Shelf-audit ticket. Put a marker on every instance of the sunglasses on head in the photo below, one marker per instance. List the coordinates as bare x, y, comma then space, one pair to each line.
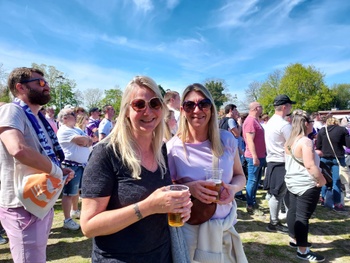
189, 106
42, 82
140, 104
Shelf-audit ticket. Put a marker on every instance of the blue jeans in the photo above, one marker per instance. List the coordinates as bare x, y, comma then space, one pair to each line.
72, 188
333, 165
254, 177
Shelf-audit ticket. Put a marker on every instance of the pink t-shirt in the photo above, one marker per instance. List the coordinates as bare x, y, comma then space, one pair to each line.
252, 125
189, 165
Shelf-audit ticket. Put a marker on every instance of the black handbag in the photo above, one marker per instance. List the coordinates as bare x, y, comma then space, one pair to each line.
327, 173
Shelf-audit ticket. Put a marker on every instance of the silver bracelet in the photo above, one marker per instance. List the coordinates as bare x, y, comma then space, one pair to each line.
137, 212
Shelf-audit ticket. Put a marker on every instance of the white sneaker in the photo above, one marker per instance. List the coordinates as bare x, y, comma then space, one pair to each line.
70, 224
282, 216
75, 214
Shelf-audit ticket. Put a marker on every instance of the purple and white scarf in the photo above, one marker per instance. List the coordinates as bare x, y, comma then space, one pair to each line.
52, 153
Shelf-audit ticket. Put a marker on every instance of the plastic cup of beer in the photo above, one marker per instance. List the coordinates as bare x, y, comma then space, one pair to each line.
214, 175
174, 219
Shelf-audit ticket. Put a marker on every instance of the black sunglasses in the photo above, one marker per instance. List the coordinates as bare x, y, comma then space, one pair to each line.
189, 106
42, 82
140, 104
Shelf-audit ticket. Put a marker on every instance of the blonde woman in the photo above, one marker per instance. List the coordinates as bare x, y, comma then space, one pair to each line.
199, 144
124, 207
303, 180
82, 121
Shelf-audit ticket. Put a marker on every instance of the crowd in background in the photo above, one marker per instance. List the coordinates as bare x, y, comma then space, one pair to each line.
122, 166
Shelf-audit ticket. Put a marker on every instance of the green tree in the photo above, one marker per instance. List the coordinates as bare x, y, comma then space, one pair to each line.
4, 91
162, 90
303, 84
62, 88
112, 97
269, 89
306, 86
217, 88
341, 96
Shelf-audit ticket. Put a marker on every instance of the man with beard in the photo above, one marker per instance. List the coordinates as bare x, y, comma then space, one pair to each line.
28, 146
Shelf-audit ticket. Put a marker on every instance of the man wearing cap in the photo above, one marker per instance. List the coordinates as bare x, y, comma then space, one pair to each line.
94, 122
277, 131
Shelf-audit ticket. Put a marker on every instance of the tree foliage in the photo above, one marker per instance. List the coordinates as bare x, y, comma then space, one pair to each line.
341, 96
62, 88
4, 91
305, 85
92, 97
217, 88
112, 97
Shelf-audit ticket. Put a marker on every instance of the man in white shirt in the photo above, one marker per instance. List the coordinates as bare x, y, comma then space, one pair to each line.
106, 125
277, 131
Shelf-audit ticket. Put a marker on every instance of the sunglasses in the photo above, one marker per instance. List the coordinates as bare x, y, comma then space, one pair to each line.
42, 82
71, 113
140, 104
189, 106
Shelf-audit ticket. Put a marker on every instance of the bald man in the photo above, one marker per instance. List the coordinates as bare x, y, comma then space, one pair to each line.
255, 154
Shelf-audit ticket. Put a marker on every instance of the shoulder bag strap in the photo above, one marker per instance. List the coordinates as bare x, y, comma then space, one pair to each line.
295, 159
332, 146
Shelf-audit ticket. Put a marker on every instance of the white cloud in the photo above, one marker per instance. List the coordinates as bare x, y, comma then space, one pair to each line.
144, 5
171, 4
86, 75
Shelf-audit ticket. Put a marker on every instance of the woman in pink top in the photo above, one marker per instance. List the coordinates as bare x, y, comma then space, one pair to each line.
197, 145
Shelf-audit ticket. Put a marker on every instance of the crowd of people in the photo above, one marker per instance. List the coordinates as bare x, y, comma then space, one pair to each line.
121, 169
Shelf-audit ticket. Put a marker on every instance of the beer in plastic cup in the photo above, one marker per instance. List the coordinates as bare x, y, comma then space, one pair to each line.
174, 219
214, 175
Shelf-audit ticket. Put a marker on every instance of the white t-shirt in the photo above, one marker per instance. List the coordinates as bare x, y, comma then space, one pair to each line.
105, 127
72, 151
277, 131
13, 116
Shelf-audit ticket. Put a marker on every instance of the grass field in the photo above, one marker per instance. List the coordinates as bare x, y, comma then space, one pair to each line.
329, 234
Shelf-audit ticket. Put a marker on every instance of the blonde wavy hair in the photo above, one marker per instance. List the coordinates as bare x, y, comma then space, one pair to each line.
332, 121
122, 139
213, 131
298, 125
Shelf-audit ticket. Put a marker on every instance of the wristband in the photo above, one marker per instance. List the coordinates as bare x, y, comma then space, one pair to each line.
56, 171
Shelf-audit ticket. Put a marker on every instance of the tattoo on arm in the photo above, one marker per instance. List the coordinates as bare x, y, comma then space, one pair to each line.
137, 212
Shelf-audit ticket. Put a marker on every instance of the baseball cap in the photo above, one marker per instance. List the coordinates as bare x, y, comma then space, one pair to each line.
94, 109
282, 99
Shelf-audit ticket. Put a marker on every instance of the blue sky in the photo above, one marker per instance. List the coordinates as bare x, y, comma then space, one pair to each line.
105, 43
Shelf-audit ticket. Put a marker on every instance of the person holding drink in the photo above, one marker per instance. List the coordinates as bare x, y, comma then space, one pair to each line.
125, 188
200, 145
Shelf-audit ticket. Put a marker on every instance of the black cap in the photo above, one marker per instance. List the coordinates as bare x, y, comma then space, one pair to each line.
93, 109
281, 100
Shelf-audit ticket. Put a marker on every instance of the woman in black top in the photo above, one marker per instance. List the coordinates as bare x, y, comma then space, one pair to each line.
339, 136
124, 205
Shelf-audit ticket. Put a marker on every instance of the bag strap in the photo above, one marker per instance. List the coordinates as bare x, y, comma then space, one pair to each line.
215, 162
332, 145
295, 159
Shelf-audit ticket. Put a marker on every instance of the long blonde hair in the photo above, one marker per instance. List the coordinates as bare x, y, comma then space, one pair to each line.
298, 125
213, 129
122, 139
